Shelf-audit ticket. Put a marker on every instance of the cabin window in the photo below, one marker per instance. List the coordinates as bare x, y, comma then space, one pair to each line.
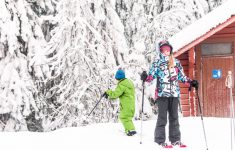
216, 49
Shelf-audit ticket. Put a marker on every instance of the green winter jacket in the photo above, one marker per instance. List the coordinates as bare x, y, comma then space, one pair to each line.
125, 91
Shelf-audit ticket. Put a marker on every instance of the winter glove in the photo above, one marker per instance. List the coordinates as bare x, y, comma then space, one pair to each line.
194, 83
143, 76
149, 78
105, 95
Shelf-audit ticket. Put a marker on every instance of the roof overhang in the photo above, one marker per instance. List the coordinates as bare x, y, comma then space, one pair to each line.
205, 36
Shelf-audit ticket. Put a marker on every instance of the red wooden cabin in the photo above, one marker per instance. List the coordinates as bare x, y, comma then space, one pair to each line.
206, 48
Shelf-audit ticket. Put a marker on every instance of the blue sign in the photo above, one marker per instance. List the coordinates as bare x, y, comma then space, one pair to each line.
216, 73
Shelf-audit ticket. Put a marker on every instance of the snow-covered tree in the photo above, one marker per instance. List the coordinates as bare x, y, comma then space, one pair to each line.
79, 60
20, 35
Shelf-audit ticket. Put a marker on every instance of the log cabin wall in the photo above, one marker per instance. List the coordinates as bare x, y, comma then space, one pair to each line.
185, 97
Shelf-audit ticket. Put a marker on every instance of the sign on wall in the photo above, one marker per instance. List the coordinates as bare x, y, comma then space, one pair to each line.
216, 73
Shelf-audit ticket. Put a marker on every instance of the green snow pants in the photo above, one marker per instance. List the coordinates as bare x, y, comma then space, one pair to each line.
125, 117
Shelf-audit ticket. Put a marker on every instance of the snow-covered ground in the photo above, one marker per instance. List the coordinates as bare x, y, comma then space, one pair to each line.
109, 136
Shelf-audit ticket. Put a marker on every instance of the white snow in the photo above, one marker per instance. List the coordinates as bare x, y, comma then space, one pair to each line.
109, 136
80, 60
203, 25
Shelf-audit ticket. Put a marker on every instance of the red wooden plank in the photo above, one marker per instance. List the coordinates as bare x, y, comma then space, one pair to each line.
186, 113
185, 107
223, 35
184, 101
183, 85
226, 30
184, 96
184, 90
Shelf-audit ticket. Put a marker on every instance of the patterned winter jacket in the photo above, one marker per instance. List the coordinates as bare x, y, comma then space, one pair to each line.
167, 80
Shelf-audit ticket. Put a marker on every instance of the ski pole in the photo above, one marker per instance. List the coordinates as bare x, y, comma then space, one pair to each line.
229, 84
85, 117
143, 78
200, 111
142, 111
95, 106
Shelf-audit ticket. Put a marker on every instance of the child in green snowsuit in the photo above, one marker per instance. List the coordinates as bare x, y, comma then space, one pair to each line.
125, 91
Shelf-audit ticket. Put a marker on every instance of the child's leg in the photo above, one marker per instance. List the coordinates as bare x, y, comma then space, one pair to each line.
126, 119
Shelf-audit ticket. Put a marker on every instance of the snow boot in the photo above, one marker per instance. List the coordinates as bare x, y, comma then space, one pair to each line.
131, 133
180, 144
165, 145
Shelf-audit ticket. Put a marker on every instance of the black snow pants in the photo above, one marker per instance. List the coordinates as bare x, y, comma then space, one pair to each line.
170, 105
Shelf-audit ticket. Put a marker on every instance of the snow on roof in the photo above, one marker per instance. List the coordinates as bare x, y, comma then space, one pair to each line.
203, 25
